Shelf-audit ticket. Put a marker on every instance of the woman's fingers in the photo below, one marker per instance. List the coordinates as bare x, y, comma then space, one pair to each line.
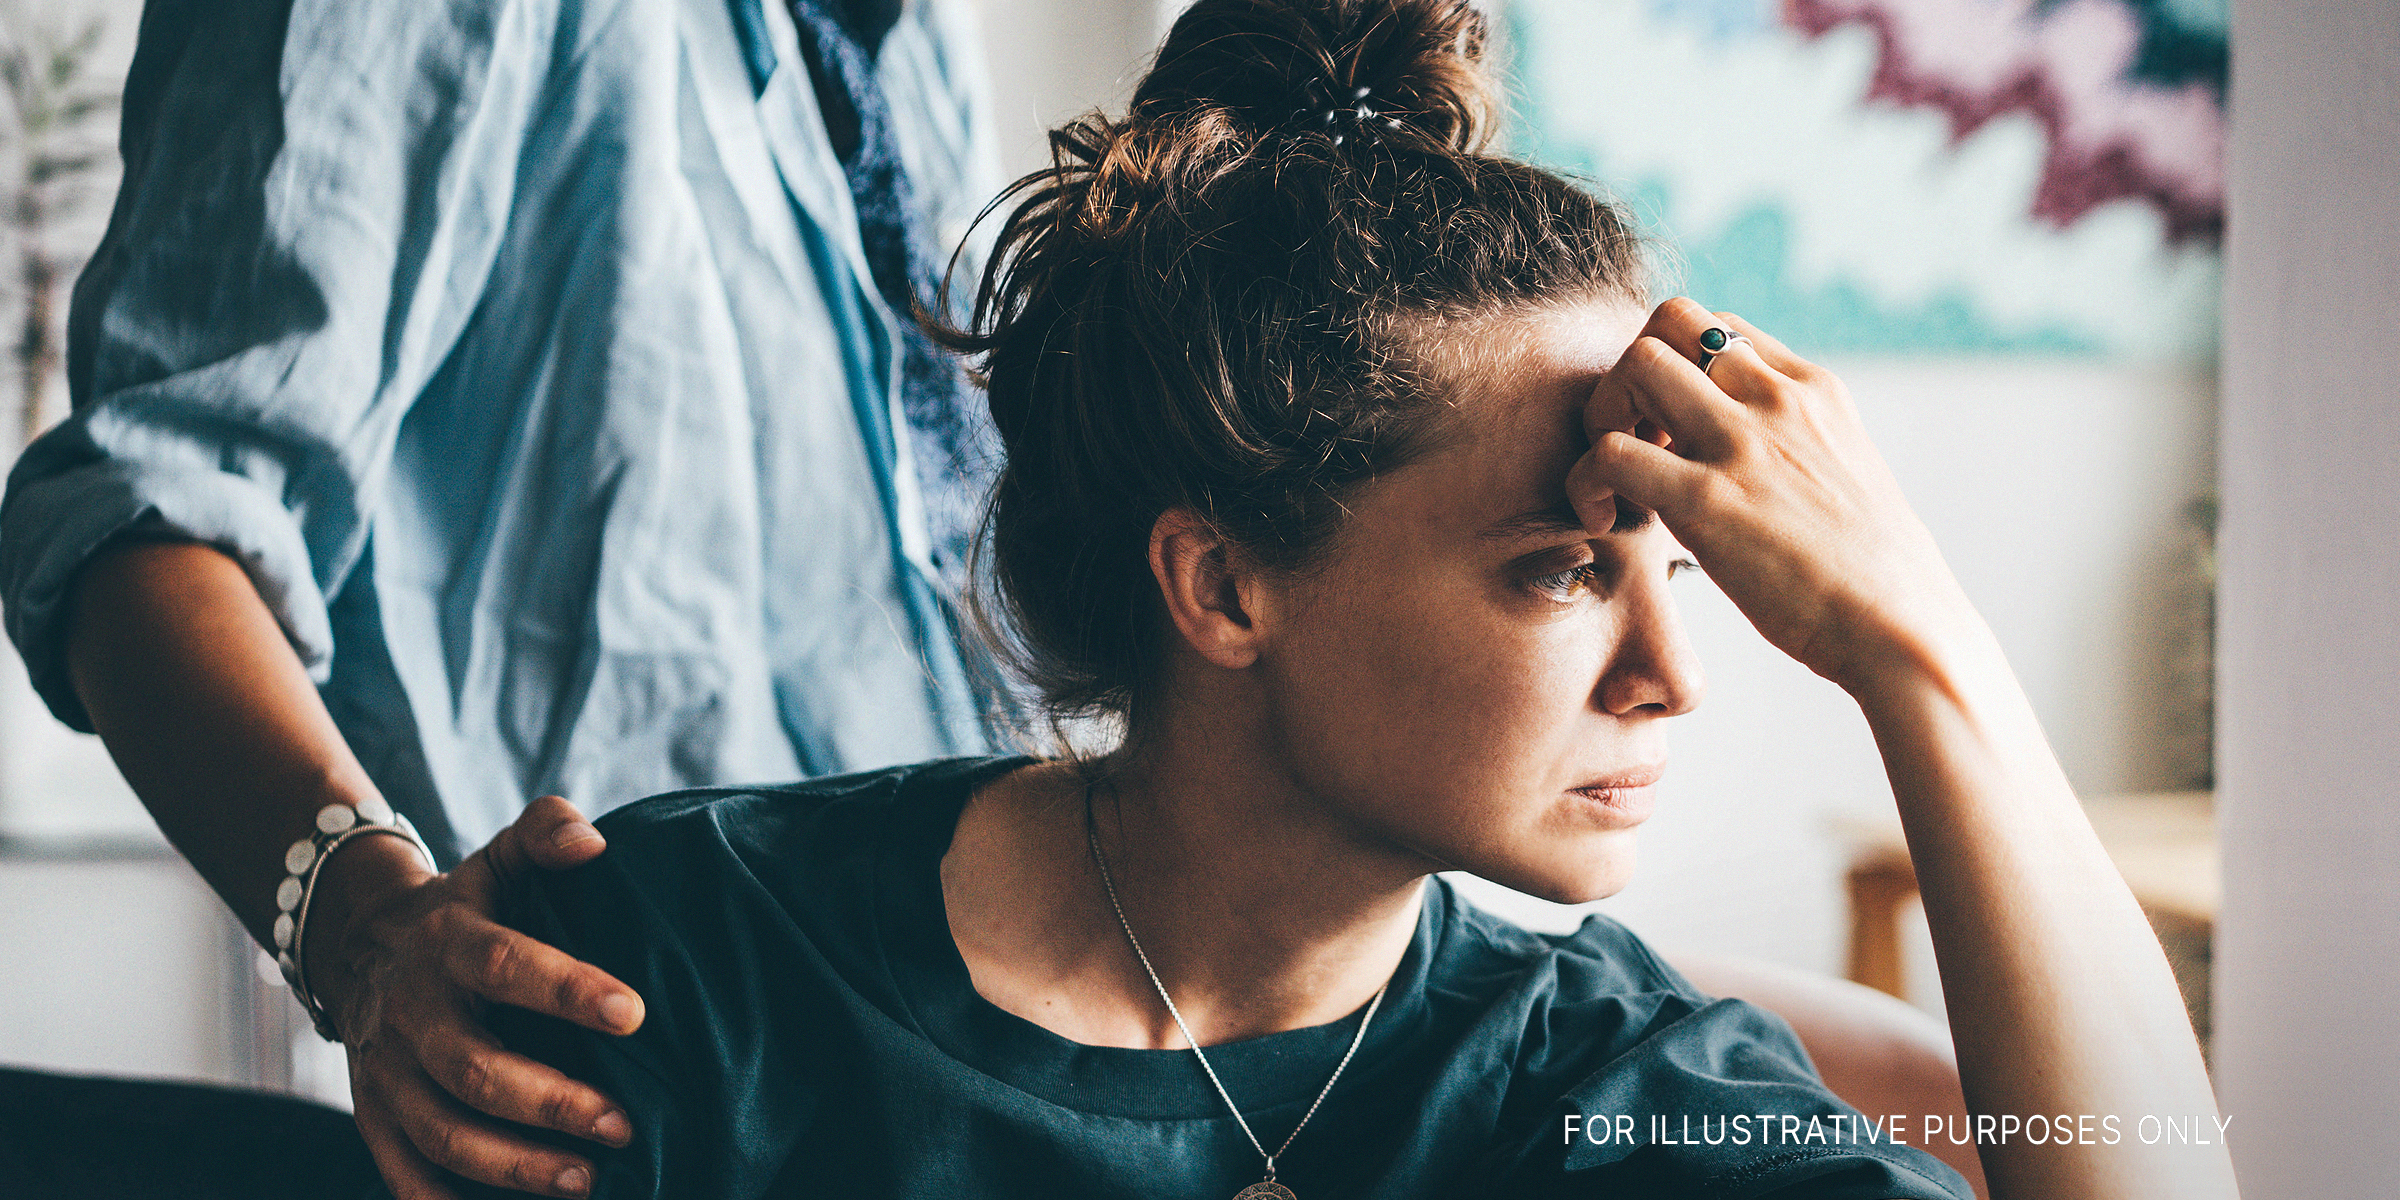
1592, 492
1770, 350
1667, 390
1658, 379
1778, 493
416, 1134
1742, 372
1750, 367
551, 834
1620, 464
424, 1071
1679, 322
469, 1064
501, 964
467, 1146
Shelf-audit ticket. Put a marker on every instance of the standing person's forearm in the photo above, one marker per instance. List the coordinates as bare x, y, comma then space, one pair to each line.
2032, 923
215, 723
212, 718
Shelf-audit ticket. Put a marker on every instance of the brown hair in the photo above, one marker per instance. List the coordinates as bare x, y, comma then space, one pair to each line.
1207, 304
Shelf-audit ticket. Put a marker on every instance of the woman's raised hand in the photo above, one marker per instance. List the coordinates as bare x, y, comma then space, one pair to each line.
1764, 472
1766, 475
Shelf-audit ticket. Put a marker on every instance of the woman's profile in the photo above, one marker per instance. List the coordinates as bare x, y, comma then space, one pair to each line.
1348, 468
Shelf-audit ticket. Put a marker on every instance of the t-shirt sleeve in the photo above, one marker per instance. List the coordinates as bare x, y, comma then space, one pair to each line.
1716, 1099
1724, 1102
602, 914
667, 910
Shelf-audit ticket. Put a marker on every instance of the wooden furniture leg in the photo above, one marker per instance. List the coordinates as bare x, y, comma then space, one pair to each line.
1881, 882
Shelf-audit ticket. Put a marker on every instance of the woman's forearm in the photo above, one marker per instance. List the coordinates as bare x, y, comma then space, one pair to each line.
210, 715
2060, 1000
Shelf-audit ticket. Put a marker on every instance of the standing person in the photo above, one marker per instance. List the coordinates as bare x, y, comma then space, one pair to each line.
482, 398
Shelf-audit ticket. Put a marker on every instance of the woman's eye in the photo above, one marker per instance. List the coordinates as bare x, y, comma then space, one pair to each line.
1562, 585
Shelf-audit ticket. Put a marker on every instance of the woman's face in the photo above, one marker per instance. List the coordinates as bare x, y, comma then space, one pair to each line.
1472, 675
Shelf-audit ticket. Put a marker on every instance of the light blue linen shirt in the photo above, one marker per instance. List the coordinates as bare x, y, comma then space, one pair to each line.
526, 355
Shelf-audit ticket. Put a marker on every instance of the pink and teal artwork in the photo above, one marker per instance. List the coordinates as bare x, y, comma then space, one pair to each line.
1906, 176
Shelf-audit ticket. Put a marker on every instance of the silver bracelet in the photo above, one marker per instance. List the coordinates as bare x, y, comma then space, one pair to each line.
337, 824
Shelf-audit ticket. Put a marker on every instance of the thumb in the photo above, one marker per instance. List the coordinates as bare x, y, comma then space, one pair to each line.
551, 834
1588, 489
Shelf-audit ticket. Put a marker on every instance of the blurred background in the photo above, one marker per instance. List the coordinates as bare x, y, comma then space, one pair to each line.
1999, 220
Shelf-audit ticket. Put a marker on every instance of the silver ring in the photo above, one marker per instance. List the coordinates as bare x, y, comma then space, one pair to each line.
1709, 358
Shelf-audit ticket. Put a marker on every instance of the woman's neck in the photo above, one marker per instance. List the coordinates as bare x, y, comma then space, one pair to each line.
1260, 910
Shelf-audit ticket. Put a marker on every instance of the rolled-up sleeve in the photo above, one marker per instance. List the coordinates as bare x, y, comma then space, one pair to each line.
314, 194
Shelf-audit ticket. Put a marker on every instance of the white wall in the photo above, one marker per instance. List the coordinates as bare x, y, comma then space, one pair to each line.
124, 964
1053, 60
2308, 951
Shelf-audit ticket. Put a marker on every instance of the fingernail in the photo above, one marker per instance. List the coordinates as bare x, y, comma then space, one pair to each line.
573, 833
618, 1011
613, 1128
575, 1181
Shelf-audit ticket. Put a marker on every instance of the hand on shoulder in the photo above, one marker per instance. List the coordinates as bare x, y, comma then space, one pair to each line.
408, 962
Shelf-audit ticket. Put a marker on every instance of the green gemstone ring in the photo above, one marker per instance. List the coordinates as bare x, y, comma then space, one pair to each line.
1714, 342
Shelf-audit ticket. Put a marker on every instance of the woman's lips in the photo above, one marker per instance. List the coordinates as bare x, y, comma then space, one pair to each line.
1626, 797
1631, 777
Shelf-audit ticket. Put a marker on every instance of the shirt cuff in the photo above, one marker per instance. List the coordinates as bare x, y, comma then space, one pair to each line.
52, 526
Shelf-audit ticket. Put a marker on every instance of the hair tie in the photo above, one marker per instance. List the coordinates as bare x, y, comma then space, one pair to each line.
1340, 119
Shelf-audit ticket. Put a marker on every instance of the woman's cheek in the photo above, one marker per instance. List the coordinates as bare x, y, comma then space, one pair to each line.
1506, 704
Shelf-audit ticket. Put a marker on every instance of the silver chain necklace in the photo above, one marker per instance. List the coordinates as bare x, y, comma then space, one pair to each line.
1265, 1189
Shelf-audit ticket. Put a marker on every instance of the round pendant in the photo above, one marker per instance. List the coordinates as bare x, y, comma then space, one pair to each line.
1266, 1189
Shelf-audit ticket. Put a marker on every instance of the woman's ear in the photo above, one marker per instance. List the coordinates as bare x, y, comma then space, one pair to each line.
1207, 588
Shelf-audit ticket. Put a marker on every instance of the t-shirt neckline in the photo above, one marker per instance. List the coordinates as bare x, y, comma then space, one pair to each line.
1263, 1074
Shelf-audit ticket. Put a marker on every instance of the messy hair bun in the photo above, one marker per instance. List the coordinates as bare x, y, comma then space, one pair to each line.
1208, 304
1273, 64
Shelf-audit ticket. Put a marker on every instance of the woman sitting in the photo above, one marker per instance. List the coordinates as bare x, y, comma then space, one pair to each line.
1346, 478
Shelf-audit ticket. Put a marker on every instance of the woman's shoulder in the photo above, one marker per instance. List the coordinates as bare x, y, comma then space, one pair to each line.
1613, 1055
764, 818
1598, 1002
1599, 958
762, 854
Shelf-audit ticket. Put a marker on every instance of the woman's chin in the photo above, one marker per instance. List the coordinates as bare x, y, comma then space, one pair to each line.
1600, 867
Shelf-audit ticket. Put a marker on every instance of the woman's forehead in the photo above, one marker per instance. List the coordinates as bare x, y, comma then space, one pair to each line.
1515, 386
1499, 371
1588, 332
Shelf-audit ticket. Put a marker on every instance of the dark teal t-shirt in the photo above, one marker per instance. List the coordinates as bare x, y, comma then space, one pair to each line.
812, 1032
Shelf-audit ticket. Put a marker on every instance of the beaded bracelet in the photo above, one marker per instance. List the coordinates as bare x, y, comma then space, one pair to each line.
336, 825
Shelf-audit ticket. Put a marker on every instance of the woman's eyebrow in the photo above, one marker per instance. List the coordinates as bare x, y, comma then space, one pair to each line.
1559, 519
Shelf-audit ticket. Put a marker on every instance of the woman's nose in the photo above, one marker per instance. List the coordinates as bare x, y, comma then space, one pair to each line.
1653, 665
